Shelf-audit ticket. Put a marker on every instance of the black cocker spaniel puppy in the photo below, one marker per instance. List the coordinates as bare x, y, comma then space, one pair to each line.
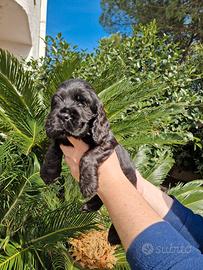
77, 111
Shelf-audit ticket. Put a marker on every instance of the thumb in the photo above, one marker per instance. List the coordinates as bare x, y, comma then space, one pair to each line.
73, 140
67, 150
78, 144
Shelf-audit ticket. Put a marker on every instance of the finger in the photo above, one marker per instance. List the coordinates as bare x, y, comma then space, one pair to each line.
78, 144
71, 153
73, 167
73, 140
69, 161
67, 150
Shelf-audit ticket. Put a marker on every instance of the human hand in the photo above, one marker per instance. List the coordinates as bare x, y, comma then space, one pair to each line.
72, 155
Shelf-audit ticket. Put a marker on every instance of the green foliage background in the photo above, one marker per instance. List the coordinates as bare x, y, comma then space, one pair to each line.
153, 101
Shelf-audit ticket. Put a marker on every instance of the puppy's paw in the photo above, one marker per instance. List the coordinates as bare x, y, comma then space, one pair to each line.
113, 237
92, 205
49, 176
86, 208
88, 189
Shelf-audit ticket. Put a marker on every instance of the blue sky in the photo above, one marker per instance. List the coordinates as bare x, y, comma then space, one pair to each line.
77, 20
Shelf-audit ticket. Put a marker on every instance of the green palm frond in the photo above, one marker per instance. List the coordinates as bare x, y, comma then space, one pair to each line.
49, 195
6, 150
15, 258
21, 109
15, 184
9, 167
14, 199
61, 260
71, 187
65, 221
190, 194
5, 124
151, 118
122, 95
164, 138
16, 86
121, 263
33, 135
154, 170
133, 122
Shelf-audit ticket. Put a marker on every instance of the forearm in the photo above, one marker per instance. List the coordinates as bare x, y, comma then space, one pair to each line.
143, 233
129, 212
158, 200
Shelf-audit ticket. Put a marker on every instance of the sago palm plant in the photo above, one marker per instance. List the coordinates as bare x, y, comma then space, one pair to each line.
35, 219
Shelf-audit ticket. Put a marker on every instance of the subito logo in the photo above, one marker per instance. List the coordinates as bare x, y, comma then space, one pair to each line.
147, 249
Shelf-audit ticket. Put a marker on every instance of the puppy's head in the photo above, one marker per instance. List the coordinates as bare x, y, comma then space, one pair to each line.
76, 111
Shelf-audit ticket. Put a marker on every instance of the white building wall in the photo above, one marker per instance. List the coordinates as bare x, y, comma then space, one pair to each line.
18, 49
23, 27
42, 32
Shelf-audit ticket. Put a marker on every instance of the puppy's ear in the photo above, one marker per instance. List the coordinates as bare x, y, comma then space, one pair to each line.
100, 128
51, 167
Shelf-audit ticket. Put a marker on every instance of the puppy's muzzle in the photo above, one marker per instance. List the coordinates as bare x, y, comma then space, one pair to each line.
67, 114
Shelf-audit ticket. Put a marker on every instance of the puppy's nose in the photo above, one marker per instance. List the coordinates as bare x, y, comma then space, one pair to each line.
67, 113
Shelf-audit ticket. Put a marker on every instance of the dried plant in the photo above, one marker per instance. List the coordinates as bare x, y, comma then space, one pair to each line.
92, 250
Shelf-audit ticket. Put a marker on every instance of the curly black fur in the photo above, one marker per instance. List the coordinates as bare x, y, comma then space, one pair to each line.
77, 111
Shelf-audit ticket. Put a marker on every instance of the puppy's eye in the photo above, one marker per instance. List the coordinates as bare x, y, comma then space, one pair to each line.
80, 99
